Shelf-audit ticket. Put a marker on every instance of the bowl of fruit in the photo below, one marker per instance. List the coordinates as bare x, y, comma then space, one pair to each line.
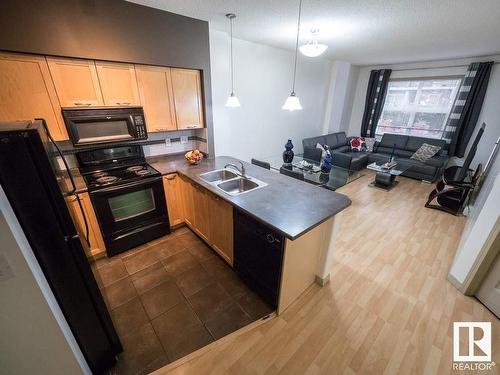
194, 157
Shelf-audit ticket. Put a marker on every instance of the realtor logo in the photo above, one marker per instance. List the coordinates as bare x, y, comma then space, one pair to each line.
472, 341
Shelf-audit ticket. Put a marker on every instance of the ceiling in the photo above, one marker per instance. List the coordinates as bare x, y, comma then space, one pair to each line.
363, 32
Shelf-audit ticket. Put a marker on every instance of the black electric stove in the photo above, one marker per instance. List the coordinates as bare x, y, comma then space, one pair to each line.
118, 175
127, 195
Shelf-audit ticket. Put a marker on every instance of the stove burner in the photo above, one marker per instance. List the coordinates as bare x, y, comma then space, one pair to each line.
99, 174
142, 172
106, 179
135, 168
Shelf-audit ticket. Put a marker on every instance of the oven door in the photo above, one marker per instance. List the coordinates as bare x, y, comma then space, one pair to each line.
131, 214
91, 130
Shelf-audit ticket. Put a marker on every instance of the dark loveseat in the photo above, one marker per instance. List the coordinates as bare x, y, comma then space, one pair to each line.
405, 148
341, 150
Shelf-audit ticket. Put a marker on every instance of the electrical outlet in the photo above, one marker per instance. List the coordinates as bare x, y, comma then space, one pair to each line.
184, 139
168, 142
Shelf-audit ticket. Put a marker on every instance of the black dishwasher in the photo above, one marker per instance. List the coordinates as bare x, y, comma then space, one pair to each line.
258, 256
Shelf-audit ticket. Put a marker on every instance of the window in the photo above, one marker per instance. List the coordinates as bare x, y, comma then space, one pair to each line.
418, 107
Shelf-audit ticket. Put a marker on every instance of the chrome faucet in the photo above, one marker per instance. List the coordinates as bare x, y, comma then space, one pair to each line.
242, 171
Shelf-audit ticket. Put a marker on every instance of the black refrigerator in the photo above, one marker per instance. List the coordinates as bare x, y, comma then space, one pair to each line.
28, 175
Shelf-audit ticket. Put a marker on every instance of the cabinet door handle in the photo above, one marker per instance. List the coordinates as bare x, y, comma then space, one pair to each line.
171, 176
123, 103
86, 223
80, 103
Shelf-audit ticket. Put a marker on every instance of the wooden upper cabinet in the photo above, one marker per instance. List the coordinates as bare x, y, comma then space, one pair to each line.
27, 92
76, 82
155, 90
118, 83
173, 193
186, 86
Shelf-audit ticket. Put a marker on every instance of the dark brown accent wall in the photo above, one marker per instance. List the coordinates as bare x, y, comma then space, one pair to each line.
112, 30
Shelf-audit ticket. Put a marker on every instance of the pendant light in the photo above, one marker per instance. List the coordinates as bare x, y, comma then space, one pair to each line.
232, 100
292, 103
313, 48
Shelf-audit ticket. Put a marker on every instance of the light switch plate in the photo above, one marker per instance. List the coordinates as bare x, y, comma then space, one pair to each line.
184, 139
6, 271
168, 142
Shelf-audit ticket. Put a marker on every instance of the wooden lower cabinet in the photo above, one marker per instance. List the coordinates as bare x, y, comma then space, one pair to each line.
96, 241
187, 194
201, 201
172, 185
221, 227
209, 216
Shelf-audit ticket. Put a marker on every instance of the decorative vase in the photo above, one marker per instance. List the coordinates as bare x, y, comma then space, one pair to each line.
326, 165
288, 153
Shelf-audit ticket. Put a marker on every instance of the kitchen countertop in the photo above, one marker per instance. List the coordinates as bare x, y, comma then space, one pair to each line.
289, 206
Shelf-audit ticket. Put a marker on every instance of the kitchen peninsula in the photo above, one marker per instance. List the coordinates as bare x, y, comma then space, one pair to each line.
303, 214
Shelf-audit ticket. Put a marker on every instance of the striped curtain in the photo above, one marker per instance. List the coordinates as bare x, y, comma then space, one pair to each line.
467, 107
375, 97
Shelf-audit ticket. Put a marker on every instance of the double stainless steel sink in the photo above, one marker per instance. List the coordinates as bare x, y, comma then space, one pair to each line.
230, 182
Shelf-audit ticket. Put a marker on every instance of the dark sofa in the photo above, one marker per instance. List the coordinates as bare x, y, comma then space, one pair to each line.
341, 150
405, 148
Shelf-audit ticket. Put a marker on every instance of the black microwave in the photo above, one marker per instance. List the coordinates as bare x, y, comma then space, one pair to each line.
98, 125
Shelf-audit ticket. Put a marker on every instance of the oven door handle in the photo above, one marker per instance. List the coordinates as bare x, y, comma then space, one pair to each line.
143, 181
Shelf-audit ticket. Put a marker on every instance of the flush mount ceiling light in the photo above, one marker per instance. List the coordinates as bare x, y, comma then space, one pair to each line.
292, 103
313, 48
232, 100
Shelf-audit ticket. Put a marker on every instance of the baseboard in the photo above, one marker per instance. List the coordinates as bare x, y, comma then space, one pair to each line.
177, 226
457, 284
322, 281
97, 254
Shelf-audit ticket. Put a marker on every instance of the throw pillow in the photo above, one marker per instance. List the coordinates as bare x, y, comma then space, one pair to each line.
358, 144
425, 152
323, 151
370, 143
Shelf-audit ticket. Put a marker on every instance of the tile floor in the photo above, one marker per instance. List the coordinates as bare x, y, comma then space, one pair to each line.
171, 297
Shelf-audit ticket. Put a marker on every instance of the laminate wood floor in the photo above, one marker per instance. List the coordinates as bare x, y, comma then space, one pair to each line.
387, 310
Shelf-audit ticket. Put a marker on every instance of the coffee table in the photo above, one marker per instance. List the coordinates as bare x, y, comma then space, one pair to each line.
386, 178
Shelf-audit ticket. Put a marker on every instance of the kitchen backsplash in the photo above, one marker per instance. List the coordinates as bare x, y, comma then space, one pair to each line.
196, 139
180, 141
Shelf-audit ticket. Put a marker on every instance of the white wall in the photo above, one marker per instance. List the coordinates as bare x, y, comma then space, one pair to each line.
35, 338
338, 109
480, 224
263, 78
